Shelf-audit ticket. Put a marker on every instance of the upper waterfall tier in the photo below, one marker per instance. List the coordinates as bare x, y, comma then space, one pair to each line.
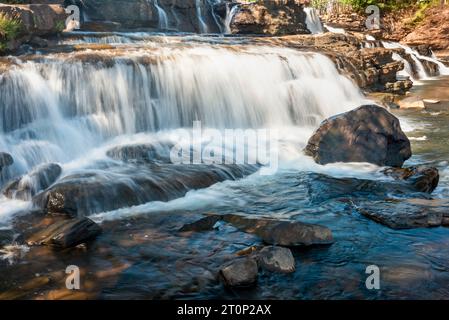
58, 107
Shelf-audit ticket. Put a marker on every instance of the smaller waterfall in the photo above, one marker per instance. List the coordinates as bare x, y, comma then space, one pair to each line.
408, 70
313, 21
202, 24
420, 70
230, 13
163, 18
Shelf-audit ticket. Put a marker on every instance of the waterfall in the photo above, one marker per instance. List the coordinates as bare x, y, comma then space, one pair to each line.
313, 21
202, 24
64, 106
230, 13
163, 18
408, 70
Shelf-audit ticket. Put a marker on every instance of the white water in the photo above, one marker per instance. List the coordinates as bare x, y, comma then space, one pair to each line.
62, 110
335, 30
202, 24
162, 15
230, 13
422, 74
313, 21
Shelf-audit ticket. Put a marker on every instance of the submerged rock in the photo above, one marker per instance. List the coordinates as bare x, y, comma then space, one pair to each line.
204, 224
67, 233
5, 160
40, 178
405, 214
240, 273
367, 134
281, 232
276, 259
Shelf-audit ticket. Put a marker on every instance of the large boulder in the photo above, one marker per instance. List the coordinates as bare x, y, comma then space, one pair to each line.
367, 134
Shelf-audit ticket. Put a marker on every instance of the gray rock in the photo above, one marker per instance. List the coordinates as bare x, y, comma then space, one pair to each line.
276, 259
67, 233
367, 134
281, 232
239, 273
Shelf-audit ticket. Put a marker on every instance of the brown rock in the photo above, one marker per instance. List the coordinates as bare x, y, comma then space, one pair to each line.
367, 134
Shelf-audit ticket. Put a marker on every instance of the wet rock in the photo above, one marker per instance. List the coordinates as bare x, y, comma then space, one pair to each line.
367, 134
283, 233
412, 103
422, 178
240, 273
5, 160
142, 153
204, 224
402, 214
276, 259
272, 17
83, 194
67, 233
40, 178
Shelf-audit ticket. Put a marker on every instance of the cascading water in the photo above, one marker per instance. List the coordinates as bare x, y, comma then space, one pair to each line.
230, 13
162, 15
421, 70
67, 106
313, 21
199, 12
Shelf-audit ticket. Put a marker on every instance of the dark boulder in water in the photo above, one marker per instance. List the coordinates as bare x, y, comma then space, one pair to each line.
5, 160
83, 194
422, 178
367, 134
67, 233
281, 232
40, 178
276, 259
240, 273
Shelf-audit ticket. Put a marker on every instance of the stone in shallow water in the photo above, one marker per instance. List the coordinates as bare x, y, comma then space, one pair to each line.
40, 178
281, 232
204, 224
240, 272
67, 233
406, 214
367, 134
422, 178
276, 259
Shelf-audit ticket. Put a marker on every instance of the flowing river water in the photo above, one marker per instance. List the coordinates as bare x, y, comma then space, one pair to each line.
72, 106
